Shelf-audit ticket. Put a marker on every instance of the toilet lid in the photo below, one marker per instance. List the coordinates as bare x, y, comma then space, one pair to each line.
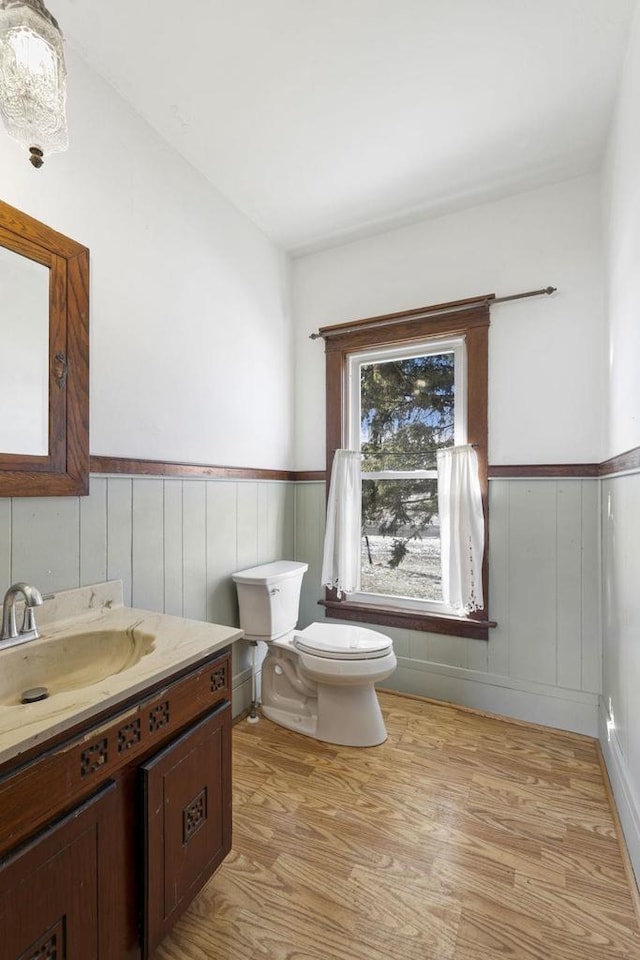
341, 642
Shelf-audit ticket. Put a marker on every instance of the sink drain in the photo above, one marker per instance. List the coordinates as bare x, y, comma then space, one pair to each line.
35, 694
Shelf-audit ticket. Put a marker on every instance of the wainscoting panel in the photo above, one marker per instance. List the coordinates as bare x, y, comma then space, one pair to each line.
173, 549
41, 530
542, 662
621, 649
247, 526
533, 572
5, 542
222, 548
119, 562
194, 548
276, 519
147, 544
174, 543
309, 538
592, 642
499, 566
93, 533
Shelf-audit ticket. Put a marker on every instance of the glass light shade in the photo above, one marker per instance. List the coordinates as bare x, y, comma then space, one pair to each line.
32, 78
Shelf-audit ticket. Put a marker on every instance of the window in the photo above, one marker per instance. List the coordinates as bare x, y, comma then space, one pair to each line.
398, 389
403, 405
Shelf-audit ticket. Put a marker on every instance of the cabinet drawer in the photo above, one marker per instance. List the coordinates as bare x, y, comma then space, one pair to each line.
187, 811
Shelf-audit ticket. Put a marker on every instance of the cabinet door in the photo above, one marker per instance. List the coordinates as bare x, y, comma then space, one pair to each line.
49, 888
187, 802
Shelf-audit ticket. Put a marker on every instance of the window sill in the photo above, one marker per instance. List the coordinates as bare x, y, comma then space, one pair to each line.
408, 619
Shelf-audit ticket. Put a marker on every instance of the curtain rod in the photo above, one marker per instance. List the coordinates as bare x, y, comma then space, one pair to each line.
441, 308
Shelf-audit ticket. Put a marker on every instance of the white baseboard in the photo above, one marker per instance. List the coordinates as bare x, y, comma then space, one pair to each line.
241, 692
535, 702
550, 706
623, 791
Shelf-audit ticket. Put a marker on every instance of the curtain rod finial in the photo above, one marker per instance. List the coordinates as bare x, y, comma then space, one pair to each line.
550, 290
314, 336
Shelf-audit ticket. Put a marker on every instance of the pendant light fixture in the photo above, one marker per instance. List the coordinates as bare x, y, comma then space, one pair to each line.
32, 78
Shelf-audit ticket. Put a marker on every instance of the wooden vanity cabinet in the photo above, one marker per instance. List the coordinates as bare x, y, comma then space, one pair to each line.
106, 837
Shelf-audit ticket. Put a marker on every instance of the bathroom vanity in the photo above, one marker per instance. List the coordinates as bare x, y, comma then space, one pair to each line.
115, 795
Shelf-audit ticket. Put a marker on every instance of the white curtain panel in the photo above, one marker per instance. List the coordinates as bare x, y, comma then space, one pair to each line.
341, 561
461, 528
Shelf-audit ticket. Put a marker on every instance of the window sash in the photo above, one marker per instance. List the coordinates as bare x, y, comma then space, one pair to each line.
427, 348
400, 475
395, 599
356, 360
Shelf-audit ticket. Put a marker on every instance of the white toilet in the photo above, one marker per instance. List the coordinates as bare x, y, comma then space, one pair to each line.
318, 681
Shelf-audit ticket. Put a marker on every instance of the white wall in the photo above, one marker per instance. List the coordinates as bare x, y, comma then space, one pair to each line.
622, 230
621, 496
545, 355
191, 355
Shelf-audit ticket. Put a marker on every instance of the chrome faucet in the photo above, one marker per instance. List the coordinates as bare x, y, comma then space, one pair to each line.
11, 636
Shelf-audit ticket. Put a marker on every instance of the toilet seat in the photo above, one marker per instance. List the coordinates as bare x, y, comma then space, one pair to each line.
342, 642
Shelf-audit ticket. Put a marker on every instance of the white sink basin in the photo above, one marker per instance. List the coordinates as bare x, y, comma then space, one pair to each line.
69, 661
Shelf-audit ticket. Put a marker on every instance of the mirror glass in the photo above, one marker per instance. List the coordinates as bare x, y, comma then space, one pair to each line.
24, 356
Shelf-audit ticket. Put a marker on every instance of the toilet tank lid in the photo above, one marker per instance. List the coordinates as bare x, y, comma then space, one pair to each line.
271, 572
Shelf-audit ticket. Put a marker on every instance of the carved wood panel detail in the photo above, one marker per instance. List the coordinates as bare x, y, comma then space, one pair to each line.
129, 735
159, 716
219, 678
194, 815
94, 756
50, 946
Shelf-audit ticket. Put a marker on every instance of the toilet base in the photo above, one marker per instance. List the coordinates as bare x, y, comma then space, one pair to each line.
356, 723
306, 725
350, 716
346, 714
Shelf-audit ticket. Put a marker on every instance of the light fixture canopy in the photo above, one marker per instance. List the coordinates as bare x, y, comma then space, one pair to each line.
32, 78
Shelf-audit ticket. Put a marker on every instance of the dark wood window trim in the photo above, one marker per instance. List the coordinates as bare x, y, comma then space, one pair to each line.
408, 620
409, 327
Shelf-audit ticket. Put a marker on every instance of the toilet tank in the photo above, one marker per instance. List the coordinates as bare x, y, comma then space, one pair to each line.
269, 598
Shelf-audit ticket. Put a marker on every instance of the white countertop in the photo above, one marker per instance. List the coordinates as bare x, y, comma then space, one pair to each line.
177, 643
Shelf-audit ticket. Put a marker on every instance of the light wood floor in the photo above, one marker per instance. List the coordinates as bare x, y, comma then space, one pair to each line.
461, 838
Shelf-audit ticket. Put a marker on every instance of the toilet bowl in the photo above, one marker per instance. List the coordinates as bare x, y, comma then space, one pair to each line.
320, 680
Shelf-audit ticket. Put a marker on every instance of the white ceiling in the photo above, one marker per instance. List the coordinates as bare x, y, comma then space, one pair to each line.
327, 119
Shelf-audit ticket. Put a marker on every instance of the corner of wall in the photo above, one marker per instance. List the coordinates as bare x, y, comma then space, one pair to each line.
628, 806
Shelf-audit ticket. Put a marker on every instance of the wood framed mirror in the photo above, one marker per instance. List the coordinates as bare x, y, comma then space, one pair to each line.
44, 360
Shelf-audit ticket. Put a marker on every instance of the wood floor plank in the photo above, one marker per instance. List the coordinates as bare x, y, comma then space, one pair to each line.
463, 837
